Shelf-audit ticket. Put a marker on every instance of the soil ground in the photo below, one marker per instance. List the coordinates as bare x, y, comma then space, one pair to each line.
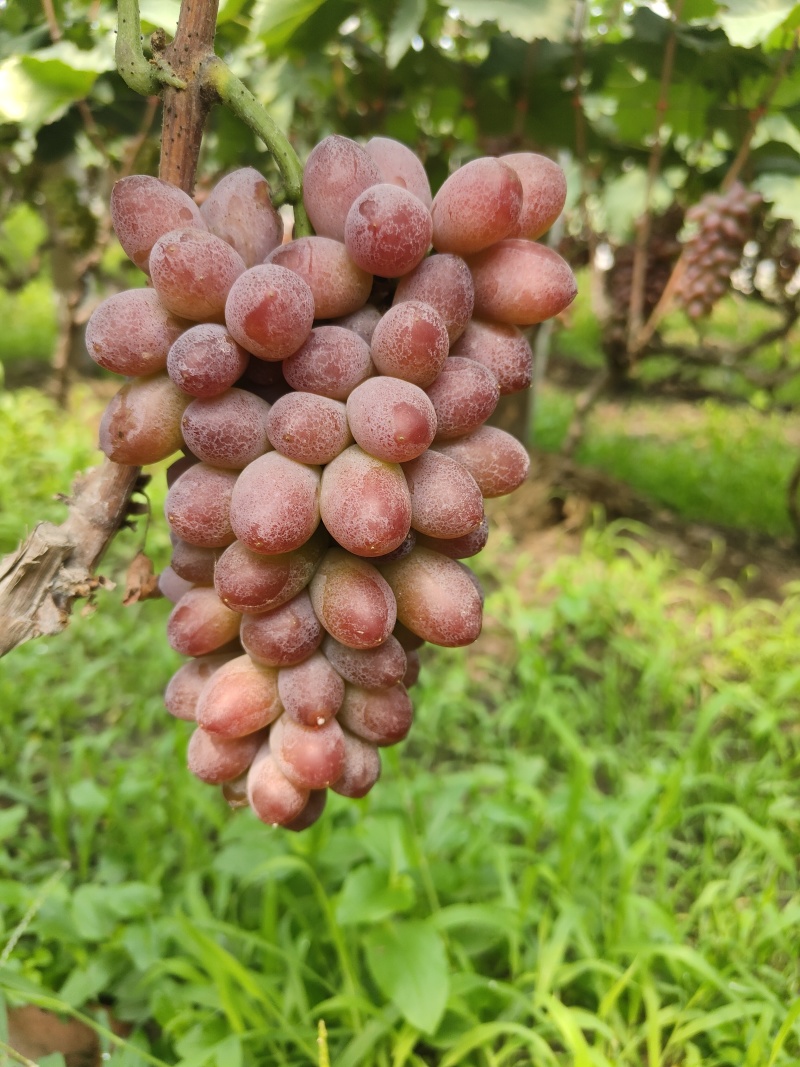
546, 517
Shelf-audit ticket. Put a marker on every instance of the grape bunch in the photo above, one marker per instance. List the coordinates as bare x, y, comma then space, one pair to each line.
724, 225
663, 249
330, 395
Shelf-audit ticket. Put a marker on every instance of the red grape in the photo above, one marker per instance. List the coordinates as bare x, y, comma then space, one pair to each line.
131, 333
186, 684
362, 767
411, 342
273, 798
387, 231
311, 692
521, 282
142, 423
308, 427
495, 459
200, 623
284, 636
381, 716
250, 582
544, 191
463, 396
399, 166
239, 698
270, 311
502, 348
193, 272
445, 498
332, 362
205, 360
435, 598
352, 600
336, 172
477, 206
145, 208
239, 210
229, 430
444, 283
311, 758
219, 759
275, 505
198, 506
365, 503
391, 419
338, 286
372, 668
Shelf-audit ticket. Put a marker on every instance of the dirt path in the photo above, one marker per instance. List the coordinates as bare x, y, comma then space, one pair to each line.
547, 515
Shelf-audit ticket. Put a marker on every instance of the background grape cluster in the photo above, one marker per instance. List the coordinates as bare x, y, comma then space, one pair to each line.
724, 224
663, 249
330, 395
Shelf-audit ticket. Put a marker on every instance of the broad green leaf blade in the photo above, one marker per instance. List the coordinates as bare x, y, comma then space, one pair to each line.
36, 94
750, 22
369, 896
409, 965
162, 13
405, 25
276, 20
526, 19
783, 192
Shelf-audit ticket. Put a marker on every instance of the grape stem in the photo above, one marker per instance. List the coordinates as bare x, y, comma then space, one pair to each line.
235, 95
134, 68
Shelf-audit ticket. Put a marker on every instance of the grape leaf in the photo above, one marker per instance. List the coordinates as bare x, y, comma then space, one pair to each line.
405, 25
163, 13
276, 20
749, 22
36, 94
526, 19
409, 965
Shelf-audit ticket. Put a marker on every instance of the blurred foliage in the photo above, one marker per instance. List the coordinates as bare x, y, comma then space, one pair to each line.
452, 81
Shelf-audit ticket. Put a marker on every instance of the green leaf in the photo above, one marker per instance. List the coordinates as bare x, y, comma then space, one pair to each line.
697, 10
369, 896
11, 819
526, 19
405, 25
409, 965
229, 9
84, 983
91, 912
276, 20
229, 1053
87, 798
162, 13
749, 22
96, 60
133, 899
38, 97
783, 192
37, 88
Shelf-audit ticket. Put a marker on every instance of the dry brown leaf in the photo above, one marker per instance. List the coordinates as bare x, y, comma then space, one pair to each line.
141, 582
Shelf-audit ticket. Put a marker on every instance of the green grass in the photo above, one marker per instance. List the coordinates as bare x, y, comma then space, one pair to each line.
30, 319
709, 462
586, 853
